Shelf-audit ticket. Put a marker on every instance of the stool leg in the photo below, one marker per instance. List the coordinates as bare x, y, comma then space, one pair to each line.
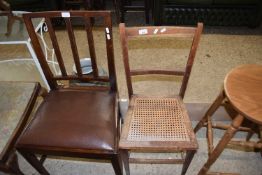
210, 111
236, 123
189, 156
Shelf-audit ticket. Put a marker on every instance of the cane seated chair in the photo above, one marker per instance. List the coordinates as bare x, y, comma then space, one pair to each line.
74, 121
158, 124
241, 96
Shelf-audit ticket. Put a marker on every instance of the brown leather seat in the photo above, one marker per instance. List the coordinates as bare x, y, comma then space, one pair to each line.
79, 128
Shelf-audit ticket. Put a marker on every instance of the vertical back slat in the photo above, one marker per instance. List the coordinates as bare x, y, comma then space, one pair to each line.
39, 52
123, 39
73, 46
56, 46
90, 38
110, 53
67, 16
191, 58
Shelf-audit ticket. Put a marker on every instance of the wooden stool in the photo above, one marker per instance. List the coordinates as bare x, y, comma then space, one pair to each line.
243, 92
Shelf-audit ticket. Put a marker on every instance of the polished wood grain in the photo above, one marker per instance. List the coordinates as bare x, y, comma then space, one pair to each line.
242, 93
243, 87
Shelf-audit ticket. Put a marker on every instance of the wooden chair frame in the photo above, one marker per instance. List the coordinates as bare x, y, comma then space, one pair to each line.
8, 157
30, 153
156, 146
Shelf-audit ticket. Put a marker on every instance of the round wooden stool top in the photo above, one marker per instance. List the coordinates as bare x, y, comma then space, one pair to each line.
243, 87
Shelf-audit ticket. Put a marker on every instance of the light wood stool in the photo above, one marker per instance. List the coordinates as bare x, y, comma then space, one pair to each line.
243, 92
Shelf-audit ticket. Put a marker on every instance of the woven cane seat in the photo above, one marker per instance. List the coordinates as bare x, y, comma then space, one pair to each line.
158, 120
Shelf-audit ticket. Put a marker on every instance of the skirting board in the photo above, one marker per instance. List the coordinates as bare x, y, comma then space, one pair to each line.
195, 110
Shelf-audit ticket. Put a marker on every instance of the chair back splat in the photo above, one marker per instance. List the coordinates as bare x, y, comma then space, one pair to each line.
79, 119
157, 124
126, 33
68, 17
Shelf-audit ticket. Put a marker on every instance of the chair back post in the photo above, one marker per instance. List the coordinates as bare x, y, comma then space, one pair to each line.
124, 43
191, 59
85, 15
110, 53
39, 53
152, 31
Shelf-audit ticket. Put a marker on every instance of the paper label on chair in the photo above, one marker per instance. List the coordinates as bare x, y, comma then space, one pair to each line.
155, 31
108, 36
142, 31
65, 14
107, 30
163, 30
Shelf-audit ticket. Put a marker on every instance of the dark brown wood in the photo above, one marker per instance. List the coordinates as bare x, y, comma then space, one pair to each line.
106, 87
42, 159
189, 156
52, 79
91, 45
117, 164
13, 166
110, 53
56, 46
39, 53
125, 159
82, 78
32, 159
73, 46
